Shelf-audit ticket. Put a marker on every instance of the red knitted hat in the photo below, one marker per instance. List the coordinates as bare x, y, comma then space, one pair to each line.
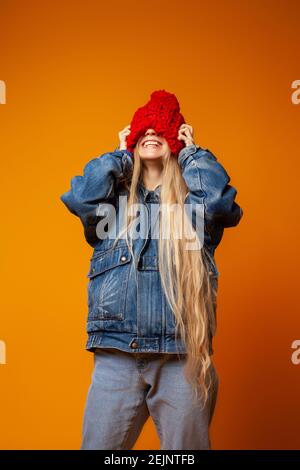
161, 113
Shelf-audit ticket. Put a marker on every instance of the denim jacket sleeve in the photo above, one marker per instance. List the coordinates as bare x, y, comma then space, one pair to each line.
97, 184
208, 184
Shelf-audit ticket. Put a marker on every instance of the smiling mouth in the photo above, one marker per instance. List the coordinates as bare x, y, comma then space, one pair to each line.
151, 143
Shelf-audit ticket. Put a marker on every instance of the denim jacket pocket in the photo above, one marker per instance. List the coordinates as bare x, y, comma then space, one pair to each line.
148, 263
108, 282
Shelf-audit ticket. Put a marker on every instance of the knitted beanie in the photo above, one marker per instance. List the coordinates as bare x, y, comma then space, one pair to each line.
161, 113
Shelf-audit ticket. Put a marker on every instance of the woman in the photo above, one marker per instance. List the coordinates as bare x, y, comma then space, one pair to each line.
154, 210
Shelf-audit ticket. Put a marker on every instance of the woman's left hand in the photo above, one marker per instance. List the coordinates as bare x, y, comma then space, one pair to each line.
186, 133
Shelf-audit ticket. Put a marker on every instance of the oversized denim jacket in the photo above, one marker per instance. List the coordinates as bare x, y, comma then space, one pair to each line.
126, 305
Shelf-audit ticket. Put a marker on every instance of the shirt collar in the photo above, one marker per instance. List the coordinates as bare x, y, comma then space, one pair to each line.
148, 194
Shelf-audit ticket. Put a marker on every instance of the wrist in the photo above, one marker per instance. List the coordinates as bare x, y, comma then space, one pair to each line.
188, 143
122, 146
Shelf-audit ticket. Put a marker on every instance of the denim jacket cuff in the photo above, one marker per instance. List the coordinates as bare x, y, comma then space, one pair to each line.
187, 152
127, 161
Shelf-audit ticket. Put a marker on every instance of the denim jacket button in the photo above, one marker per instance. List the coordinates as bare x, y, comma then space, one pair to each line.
134, 345
123, 258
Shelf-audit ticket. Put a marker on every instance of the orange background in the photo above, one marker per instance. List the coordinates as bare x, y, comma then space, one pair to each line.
75, 72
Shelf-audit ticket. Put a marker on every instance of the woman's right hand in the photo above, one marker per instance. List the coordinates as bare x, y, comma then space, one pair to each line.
122, 137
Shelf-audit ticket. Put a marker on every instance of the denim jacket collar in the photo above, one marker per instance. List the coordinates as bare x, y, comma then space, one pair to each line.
147, 194
154, 195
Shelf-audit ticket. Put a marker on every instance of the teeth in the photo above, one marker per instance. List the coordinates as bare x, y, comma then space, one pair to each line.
151, 142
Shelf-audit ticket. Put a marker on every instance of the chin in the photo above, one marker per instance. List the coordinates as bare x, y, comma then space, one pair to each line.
150, 156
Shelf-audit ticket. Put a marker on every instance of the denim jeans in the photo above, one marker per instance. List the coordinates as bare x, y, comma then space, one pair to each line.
128, 387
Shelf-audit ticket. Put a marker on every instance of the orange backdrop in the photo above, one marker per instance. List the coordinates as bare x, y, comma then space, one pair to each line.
75, 72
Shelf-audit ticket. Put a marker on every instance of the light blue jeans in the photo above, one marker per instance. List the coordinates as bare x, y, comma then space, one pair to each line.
128, 387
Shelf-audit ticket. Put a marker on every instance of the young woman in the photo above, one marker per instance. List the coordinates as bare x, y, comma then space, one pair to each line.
154, 210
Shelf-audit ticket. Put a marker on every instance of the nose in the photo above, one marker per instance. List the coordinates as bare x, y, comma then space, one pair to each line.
150, 131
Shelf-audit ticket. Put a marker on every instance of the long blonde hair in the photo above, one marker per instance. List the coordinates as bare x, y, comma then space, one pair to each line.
184, 272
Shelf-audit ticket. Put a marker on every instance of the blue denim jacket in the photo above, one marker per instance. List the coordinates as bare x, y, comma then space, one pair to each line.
128, 312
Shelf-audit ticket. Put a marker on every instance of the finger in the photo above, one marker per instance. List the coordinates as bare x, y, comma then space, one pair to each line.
183, 133
188, 126
189, 129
